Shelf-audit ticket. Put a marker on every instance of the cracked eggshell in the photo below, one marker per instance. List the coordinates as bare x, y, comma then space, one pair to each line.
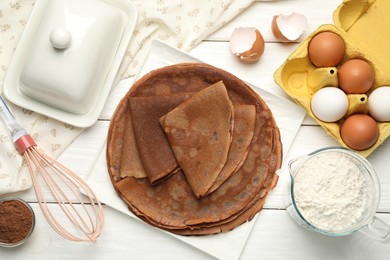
288, 28
247, 44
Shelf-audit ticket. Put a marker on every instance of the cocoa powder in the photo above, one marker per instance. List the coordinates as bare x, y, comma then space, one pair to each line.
16, 221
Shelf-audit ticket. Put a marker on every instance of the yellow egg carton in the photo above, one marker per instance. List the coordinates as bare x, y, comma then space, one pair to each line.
364, 26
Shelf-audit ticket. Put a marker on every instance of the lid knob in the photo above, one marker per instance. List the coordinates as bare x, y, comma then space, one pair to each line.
60, 38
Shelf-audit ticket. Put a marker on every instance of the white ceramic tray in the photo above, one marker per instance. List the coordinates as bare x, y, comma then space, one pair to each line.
13, 77
228, 245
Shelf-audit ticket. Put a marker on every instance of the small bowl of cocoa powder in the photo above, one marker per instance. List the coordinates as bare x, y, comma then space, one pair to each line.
17, 221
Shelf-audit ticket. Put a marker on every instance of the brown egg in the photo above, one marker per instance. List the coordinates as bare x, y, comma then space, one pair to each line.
326, 49
359, 132
247, 44
356, 76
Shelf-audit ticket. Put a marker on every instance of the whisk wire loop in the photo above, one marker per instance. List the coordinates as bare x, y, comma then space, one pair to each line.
40, 163
54, 186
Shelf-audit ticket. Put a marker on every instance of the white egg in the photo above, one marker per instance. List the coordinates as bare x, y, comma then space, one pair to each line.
379, 104
329, 104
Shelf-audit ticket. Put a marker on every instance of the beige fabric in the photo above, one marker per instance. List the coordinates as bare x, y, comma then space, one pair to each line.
182, 24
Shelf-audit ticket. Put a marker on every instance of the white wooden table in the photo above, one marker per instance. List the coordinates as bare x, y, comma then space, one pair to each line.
275, 235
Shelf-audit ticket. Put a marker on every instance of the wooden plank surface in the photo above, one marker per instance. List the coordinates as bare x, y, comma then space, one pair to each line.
275, 235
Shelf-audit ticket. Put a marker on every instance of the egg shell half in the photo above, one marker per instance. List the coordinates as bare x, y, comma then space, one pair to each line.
288, 28
247, 44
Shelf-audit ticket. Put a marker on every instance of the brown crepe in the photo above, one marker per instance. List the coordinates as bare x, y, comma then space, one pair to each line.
244, 126
133, 167
115, 149
155, 152
200, 133
171, 204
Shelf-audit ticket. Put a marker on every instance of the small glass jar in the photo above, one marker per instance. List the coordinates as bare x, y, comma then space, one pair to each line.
17, 221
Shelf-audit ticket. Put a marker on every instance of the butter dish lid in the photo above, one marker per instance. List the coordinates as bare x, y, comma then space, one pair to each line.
68, 58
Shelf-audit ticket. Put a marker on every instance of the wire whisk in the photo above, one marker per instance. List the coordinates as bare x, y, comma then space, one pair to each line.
61, 199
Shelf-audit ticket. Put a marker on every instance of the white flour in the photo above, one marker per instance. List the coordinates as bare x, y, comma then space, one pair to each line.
330, 191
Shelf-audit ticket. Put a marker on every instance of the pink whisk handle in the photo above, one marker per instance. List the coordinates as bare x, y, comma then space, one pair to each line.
20, 137
24, 142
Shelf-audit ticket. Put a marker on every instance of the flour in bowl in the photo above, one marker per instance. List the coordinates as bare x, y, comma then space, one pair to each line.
330, 192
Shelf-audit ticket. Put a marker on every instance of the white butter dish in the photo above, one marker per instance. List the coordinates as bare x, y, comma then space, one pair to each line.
68, 57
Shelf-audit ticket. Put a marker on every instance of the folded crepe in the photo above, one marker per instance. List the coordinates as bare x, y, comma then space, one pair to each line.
154, 150
123, 156
133, 167
244, 127
199, 131
116, 136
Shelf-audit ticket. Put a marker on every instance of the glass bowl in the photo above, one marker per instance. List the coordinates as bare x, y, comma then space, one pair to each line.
317, 174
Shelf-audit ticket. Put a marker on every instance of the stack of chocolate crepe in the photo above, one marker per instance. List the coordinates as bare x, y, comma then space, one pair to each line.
193, 150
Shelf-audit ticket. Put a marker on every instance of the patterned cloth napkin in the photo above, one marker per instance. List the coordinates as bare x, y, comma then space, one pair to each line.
180, 23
